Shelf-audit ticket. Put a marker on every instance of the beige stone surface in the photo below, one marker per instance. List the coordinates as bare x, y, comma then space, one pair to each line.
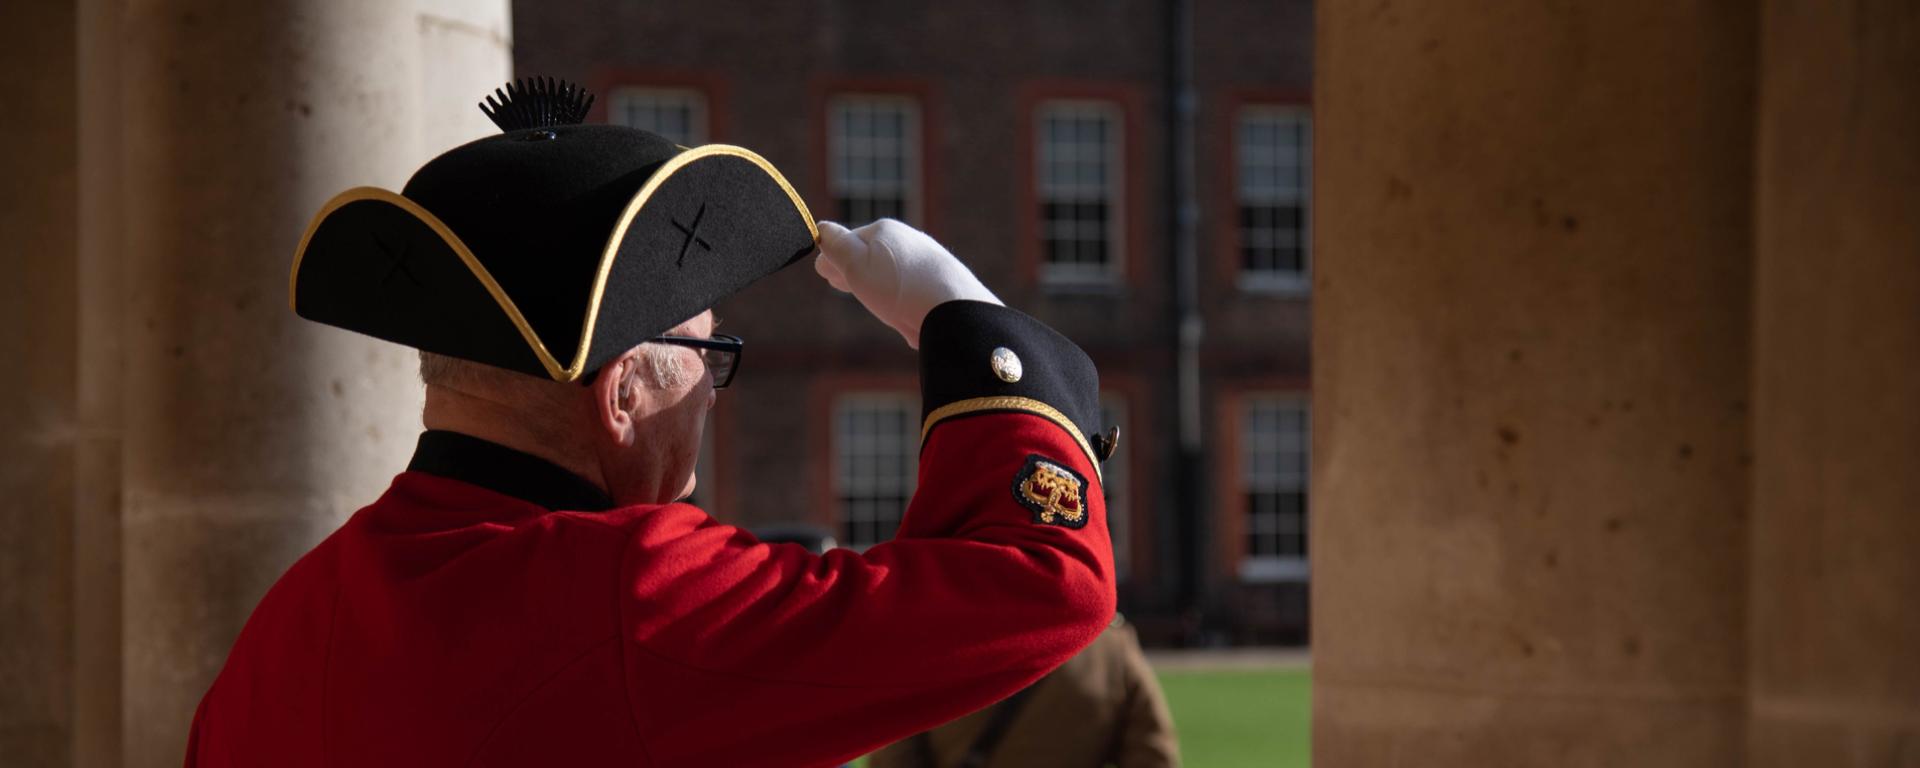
1835, 578
244, 417
97, 576
37, 333
1530, 381
100, 312
251, 434
1401, 725
465, 52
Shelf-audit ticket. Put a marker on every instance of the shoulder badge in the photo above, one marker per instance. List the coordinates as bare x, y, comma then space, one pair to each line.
1055, 494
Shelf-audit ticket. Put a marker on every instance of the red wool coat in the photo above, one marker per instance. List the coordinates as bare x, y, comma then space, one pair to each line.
450, 624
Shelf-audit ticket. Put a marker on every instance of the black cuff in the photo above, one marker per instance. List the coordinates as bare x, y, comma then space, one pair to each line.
970, 349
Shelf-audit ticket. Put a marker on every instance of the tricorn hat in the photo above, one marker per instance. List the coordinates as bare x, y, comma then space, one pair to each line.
552, 248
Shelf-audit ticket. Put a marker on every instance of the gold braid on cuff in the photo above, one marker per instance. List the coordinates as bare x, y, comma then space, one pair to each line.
1021, 404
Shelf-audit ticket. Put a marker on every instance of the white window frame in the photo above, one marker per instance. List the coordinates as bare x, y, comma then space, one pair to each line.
857, 463
1254, 478
843, 149
1109, 189
621, 102
1247, 191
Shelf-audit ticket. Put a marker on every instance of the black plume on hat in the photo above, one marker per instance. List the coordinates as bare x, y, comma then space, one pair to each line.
552, 248
537, 103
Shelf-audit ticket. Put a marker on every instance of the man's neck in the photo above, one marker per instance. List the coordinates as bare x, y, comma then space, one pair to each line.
514, 428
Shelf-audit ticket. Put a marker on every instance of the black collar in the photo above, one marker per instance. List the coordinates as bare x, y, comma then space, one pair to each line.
501, 469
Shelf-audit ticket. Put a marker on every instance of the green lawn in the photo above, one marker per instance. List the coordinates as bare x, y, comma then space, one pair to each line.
1229, 718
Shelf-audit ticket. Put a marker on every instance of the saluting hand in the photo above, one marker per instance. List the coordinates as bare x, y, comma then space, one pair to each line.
897, 272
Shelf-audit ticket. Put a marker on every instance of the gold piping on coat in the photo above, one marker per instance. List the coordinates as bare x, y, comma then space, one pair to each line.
1027, 405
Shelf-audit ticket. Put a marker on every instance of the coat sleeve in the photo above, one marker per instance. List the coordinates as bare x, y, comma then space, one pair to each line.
194, 759
1147, 737
742, 653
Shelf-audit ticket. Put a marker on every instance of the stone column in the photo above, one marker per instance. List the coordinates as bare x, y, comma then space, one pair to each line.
1835, 576
248, 434
100, 297
37, 332
1530, 382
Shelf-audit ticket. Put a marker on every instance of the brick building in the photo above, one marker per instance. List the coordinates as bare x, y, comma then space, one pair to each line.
1032, 138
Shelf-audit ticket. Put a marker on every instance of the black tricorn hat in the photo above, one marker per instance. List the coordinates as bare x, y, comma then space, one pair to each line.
552, 248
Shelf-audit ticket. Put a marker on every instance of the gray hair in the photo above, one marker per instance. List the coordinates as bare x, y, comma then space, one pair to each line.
668, 365
437, 370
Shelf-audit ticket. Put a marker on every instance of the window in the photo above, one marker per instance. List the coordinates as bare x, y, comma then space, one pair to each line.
1078, 178
1273, 479
876, 438
874, 146
677, 114
1273, 154
1114, 477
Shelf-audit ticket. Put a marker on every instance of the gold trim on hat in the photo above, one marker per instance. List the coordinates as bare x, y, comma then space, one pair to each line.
1022, 404
446, 234
578, 364
640, 201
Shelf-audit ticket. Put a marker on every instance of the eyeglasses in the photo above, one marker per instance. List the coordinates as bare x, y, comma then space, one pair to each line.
721, 354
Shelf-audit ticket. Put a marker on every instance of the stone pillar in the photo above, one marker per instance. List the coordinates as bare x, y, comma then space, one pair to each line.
1530, 382
247, 434
37, 333
101, 298
1835, 575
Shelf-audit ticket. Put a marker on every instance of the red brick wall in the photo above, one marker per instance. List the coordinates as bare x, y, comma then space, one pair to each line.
979, 68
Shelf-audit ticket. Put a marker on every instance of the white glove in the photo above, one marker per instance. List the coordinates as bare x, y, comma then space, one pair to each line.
898, 272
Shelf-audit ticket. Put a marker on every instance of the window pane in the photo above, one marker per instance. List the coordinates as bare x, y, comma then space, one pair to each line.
876, 445
678, 115
1078, 188
875, 147
1274, 451
1271, 155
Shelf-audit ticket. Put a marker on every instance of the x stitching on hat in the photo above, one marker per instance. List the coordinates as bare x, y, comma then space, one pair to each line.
397, 261
692, 234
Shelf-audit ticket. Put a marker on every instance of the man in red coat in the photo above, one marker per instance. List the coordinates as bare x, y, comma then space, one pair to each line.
528, 592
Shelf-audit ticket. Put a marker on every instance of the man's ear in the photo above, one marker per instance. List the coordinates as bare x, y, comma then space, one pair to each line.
615, 398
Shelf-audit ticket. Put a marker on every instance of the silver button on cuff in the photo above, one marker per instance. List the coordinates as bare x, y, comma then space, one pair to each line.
1006, 365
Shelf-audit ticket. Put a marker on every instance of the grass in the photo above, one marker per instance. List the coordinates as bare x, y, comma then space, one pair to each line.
1229, 718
